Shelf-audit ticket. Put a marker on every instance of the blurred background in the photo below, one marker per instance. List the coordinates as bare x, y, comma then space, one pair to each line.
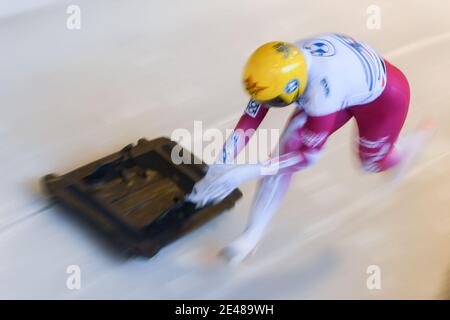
73, 91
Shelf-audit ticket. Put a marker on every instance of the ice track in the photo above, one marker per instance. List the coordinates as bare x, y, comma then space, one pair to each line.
143, 68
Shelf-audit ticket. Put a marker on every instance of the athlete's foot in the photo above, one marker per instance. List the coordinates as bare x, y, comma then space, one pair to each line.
239, 250
410, 148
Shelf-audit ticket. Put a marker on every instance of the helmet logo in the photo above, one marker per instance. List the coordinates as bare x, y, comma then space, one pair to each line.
283, 48
292, 86
252, 87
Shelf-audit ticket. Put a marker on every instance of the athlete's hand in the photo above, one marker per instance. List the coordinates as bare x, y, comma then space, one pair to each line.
219, 182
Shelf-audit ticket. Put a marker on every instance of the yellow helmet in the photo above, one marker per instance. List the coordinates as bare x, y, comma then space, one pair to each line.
276, 74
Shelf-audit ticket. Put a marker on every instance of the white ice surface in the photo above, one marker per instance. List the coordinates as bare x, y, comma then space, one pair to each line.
144, 68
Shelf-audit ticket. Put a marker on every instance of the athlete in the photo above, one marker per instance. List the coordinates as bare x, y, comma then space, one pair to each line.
331, 78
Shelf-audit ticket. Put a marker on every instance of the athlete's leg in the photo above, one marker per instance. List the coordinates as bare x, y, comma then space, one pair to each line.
271, 190
380, 122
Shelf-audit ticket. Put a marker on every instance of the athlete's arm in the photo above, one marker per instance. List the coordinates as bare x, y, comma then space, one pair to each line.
245, 128
313, 136
229, 177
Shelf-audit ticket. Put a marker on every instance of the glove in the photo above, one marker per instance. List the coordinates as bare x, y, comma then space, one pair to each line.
220, 181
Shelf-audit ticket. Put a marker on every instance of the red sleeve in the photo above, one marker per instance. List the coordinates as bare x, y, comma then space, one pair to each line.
313, 136
245, 128
251, 119
316, 131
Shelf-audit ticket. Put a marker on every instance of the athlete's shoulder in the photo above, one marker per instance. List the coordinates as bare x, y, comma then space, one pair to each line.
321, 45
330, 44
